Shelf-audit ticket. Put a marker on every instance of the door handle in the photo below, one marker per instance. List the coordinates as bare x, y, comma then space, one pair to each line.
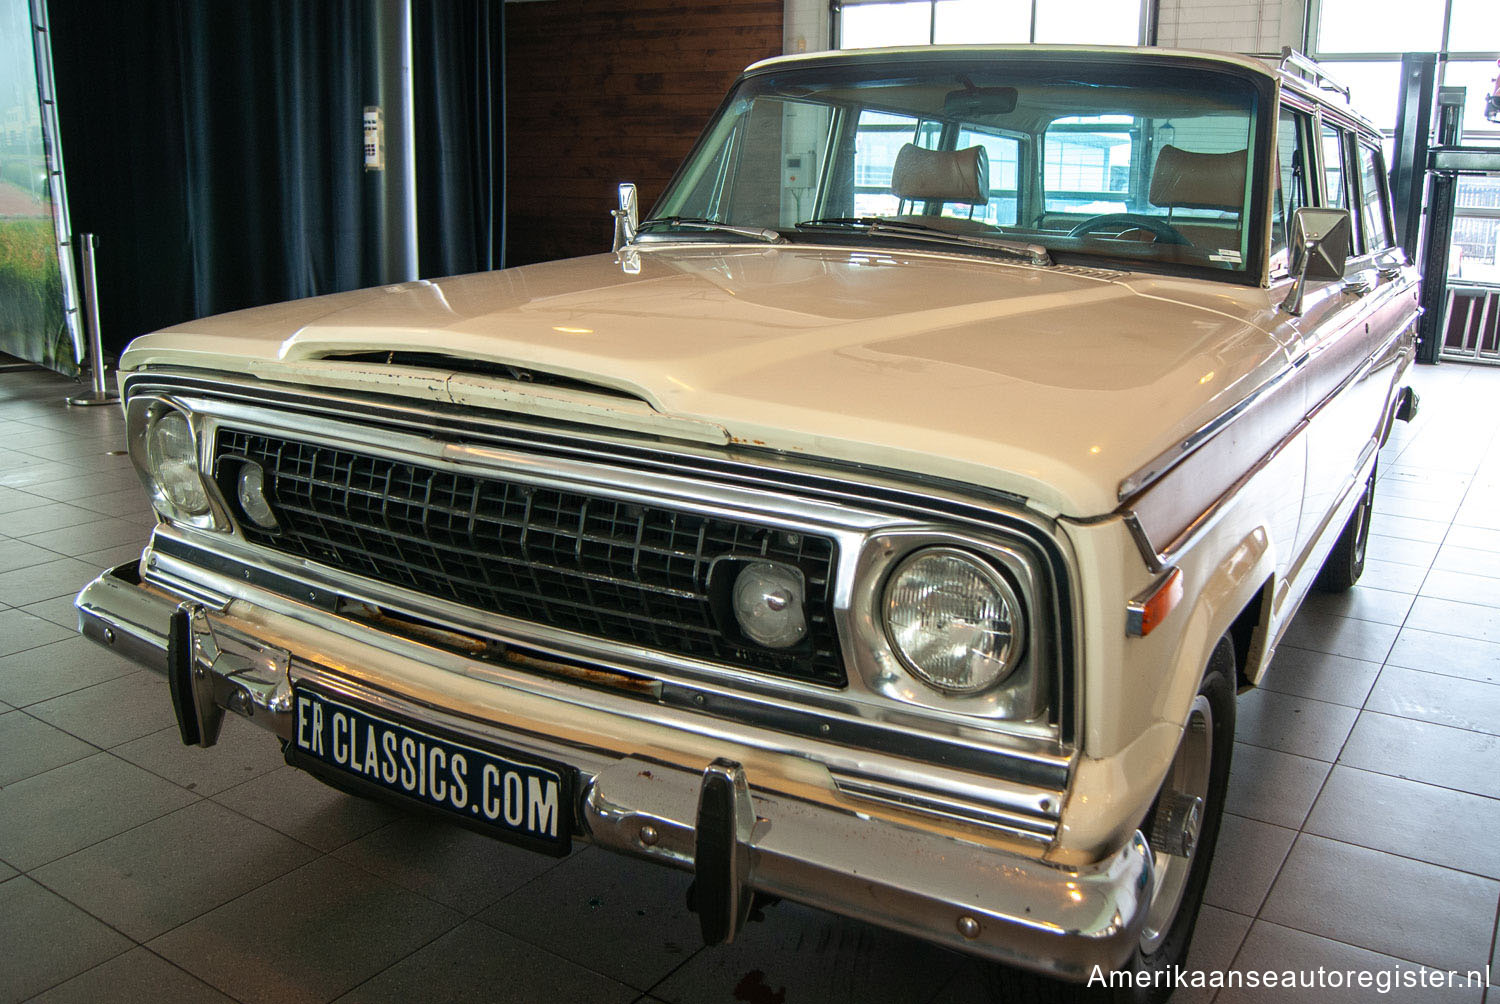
1359, 287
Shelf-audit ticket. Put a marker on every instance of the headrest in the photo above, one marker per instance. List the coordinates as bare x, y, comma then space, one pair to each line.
1186, 180
942, 175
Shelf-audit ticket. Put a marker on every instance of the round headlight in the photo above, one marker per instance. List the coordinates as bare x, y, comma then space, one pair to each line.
768, 601
953, 620
173, 462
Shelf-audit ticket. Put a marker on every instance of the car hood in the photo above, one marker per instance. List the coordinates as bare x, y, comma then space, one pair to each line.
1052, 383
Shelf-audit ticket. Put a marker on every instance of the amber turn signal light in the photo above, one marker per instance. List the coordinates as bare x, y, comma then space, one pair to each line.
1151, 607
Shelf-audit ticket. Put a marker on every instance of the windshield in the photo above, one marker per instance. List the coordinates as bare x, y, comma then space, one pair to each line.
1132, 160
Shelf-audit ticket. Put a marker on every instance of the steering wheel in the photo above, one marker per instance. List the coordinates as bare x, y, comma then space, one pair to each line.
1164, 231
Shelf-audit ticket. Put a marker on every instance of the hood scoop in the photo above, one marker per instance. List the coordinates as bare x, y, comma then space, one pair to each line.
491, 386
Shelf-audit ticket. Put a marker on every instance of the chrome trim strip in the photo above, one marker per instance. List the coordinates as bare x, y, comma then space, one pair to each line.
1028, 828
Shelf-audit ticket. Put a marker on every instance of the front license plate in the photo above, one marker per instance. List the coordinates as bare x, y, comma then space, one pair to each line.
507, 794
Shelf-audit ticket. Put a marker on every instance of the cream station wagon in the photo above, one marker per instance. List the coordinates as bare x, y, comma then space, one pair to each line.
887, 524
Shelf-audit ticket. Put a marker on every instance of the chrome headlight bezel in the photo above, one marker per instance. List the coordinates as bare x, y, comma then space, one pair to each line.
143, 416
988, 575
1025, 696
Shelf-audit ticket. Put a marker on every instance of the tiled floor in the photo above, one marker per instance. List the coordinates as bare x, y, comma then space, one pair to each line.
1364, 829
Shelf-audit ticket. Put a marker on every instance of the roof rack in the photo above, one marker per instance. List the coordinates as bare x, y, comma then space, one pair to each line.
1308, 69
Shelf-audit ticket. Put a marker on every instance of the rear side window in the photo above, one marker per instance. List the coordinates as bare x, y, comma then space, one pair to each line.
1291, 176
1373, 216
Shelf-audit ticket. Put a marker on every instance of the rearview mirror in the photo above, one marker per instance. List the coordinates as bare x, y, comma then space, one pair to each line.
1321, 239
627, 217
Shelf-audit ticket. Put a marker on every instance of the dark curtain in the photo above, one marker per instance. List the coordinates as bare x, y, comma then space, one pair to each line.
216, 148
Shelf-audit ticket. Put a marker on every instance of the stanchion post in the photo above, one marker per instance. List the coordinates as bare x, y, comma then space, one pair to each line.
101, 392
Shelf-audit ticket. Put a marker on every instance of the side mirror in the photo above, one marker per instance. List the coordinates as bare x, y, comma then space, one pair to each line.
627, 217
1320, 246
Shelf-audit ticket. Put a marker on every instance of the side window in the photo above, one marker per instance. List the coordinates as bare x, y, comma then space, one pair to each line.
1004, 153
1291, 180
1377, 224
1334, 192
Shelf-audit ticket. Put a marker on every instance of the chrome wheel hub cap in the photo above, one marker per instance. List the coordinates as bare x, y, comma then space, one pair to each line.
1177, 822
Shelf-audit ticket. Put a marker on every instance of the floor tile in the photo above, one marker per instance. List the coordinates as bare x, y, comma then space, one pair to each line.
1363, 603
1428, 531
52, 516
28, 477
118, 554
1419, 751
1246, 860
1364, 640
137, 977
1440, 653
1272, 786
1392, 576
301, 806
114, 711
1443, 700
48, 816
1452, 828
1323, 677
1271, 948
1477, 538
335, 927
624, 918
59, 610
148, 880
29, 747
474, 963
1216, 940
1452, 558
16, 554
1401, 551
1466, 620
90, 537
13, 500
69, 485
21, 631
1463, 587
801, 954
44, 581
131, 501
47, 940
48, 671
242, 753
1430, 915
1296, 725
454, 866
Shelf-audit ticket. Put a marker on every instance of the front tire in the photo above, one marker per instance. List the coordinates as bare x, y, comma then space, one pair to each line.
1200, 770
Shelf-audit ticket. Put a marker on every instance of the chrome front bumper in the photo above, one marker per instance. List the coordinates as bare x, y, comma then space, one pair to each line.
737, 828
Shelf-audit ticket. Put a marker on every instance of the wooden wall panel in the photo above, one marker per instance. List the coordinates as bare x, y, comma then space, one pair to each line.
604, 91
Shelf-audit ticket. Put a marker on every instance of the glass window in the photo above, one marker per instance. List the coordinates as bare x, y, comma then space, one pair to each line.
1376, 224
920, 22
1291, 181
1479, 79
1356, 26
1333, 168
878, 138
1475, 25
870, 25
1475, 253
983, 21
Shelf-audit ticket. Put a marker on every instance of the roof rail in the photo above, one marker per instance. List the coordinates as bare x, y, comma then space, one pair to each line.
1308, 69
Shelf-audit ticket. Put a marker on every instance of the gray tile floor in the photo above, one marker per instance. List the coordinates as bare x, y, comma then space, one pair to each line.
1364, 829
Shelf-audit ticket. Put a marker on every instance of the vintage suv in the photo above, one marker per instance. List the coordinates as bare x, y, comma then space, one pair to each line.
887, 524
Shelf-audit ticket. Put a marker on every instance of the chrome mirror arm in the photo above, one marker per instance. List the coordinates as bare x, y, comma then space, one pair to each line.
627, 217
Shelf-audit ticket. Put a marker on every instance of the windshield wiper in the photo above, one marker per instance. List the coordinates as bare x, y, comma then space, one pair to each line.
1035, 254
765, 234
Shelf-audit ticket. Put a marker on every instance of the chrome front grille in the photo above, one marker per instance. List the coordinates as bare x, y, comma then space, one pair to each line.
649, 575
